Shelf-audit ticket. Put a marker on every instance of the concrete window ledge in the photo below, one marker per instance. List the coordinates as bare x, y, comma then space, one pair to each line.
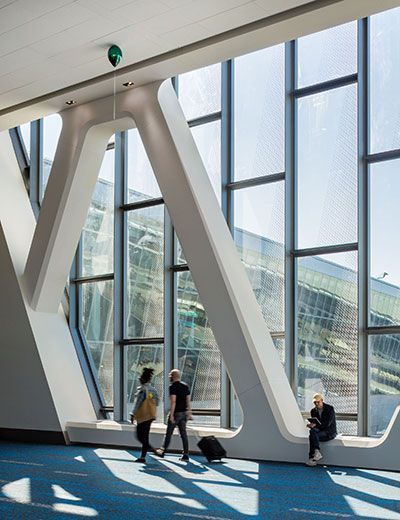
123, 434
366, 452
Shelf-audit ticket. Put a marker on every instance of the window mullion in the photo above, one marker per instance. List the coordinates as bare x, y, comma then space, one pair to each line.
119, 356
227, 71
36, 169
290, 217
363, 247
170, 339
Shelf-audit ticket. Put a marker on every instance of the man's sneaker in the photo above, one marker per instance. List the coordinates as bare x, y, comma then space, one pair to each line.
311, 462
317, 455
184, 458
141, 460
160, 453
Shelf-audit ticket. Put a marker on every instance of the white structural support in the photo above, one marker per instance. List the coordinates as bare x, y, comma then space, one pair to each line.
74, 173
41, 381
273, 426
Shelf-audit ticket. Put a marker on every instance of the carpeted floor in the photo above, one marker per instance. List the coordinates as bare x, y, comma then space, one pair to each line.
39, 481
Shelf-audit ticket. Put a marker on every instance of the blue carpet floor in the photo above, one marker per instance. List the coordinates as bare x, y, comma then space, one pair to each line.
39, 481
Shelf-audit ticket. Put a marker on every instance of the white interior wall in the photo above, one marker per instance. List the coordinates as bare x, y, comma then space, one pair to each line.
41, 380
26, 398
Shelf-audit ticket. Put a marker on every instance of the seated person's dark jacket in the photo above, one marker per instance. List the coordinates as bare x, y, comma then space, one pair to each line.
327, 419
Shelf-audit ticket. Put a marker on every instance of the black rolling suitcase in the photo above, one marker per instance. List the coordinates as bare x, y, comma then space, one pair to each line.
211, 448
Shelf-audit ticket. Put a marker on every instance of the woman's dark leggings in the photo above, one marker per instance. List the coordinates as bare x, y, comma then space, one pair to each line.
142, 433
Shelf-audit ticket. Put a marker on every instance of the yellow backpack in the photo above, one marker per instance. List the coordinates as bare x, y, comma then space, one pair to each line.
148, 409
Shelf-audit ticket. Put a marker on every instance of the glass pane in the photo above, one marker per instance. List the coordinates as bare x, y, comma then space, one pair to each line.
259, 237
139, 357
51, 132
208, 142
199, 358
327, 330
142, 184
259, 123
200, 91
347, 427
384, 380
98, 328
26, 137
237, 412
385, 243
384, 81
280, 347
327, 168
98, 233
145, 309
206, 420
180, 257
327, 55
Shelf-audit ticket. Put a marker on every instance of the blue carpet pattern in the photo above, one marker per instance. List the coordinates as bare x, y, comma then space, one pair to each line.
40, 482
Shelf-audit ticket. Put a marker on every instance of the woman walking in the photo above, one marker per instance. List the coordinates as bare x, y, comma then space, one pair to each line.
144, 411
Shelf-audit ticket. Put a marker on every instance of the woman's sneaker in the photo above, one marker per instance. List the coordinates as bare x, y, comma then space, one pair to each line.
184, 458
160, 452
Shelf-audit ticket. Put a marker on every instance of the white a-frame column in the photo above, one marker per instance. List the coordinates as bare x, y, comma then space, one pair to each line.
41, 379
273, 427
223, 285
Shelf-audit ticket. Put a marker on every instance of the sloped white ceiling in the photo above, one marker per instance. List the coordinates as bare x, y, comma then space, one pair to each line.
46, 45
55, 50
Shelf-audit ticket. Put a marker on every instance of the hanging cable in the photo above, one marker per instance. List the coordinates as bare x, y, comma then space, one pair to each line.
114, 92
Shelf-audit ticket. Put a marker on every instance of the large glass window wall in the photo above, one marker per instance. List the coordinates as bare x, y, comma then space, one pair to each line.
300, 144
92, 293
197, 353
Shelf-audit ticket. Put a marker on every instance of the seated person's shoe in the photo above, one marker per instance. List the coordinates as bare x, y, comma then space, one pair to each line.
317, 455
311, 462
184, 458
160, 453
140, 460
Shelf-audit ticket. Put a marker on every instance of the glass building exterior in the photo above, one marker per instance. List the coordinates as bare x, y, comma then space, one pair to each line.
301, 143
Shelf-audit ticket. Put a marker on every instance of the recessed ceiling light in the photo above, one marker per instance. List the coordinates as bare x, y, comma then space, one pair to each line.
71, 102
128, 84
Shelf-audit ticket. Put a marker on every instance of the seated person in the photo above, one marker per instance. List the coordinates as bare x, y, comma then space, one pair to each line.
322, 429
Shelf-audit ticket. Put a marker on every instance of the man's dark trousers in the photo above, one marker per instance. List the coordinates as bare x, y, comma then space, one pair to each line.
180, 421
316, 436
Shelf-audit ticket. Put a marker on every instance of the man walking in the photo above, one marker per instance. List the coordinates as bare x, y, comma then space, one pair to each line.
180, 412
322, 425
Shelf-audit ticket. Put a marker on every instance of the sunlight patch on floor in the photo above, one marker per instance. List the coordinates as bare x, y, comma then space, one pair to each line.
197, 471
132, 473
114, 454
19, 490
244, 500
391, 475
368, 510
73, 509
367, 486
63, 494
188, 502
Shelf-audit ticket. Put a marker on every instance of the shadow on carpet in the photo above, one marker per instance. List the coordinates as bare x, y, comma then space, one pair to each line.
38, 481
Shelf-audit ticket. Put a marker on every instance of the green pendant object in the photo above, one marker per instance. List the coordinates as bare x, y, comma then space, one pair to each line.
114, 55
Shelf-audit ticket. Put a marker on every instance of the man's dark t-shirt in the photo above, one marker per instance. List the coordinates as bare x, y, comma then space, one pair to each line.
181, 390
